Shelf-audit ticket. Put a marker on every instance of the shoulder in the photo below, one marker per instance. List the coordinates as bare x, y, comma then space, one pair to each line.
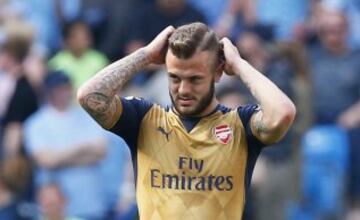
95, 54
37, 119
59, 58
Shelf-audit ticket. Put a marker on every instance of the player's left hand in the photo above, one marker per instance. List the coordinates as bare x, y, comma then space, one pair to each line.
231, 55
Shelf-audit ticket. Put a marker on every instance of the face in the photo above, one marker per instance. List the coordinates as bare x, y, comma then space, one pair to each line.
249, 44
51, 201
79, 39
333, 33
191, 83
61, 96
5, 61
171, 5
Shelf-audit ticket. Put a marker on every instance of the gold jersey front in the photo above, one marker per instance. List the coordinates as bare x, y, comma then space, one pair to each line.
189, 168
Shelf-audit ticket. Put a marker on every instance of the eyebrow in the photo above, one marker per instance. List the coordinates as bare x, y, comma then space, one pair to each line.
189, 77
173, 75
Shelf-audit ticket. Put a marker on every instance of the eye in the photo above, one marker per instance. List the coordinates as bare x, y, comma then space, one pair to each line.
174, 78
195, 79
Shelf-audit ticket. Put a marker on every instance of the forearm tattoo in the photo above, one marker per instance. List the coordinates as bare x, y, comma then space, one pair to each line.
100, 100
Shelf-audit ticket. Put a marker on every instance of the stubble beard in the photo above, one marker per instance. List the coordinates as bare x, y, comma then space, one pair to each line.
200, 106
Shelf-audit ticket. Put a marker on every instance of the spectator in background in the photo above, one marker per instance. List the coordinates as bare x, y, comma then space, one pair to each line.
334, 63
67, 146
156, 16
335, 74
51, 201
14, 176
19, 100
152, 19
212, 9
264, 56
78, 59
117, 32
94, 14
283, 15
231, 97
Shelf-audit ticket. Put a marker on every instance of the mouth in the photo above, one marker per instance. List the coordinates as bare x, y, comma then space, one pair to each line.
185, 101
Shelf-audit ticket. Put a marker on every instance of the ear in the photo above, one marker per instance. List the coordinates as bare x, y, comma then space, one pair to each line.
219, 71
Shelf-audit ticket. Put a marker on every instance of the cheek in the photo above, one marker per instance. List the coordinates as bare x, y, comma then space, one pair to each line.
202, 89
173, 88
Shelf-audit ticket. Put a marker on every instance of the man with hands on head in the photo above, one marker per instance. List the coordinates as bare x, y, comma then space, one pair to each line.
194, 159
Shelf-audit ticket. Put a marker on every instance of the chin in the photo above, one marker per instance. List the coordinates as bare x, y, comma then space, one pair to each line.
187, 111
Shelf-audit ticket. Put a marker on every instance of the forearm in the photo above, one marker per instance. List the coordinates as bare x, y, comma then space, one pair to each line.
51, 159
91, 153
97, 96
83, 154
277, 110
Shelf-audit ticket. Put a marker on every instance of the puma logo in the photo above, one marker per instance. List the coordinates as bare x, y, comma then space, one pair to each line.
162, 130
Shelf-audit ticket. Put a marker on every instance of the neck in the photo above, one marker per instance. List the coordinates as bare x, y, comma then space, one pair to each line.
77, 53
210, 107
208, 110
60, 107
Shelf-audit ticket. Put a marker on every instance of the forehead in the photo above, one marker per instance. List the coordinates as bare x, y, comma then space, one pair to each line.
199, 63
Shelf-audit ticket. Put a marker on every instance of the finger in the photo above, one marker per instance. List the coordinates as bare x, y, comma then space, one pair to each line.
225, 40
168, 31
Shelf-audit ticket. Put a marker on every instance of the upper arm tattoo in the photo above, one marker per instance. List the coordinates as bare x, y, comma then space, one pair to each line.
105, 111
258, 124
100, 99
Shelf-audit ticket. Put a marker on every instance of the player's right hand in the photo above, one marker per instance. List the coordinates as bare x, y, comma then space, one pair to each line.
157, 48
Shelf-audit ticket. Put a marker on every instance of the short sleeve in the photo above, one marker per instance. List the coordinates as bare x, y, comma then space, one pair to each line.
128, 125
254, 146
245, 112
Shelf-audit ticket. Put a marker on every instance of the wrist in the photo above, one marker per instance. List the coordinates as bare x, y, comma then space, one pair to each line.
239, 66
145, 53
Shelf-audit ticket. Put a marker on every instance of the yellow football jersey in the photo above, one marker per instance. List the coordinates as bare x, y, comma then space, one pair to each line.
189, 168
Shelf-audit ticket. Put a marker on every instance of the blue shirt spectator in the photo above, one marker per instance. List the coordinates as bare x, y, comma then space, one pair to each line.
68, 146
336, 82
54, 131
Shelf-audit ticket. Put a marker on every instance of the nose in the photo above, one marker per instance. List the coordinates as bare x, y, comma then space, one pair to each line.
184, 88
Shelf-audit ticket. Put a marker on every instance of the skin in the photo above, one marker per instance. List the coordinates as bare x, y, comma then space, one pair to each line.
190, 83
276, 113
79, 40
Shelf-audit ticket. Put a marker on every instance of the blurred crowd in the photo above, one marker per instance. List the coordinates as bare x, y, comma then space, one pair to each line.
57, 163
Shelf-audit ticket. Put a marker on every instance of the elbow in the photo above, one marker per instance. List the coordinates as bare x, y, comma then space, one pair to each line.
286, 119
288, 114
80, 95
278, 128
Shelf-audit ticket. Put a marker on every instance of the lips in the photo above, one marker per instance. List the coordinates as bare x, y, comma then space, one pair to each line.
185, 101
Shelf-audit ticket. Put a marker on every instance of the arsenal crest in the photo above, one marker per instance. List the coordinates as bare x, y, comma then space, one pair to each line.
223, 133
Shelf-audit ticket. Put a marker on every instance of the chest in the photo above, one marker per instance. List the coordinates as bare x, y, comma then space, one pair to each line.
213, 146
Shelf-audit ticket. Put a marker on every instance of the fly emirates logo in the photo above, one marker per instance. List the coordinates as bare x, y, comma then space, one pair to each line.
183, 181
